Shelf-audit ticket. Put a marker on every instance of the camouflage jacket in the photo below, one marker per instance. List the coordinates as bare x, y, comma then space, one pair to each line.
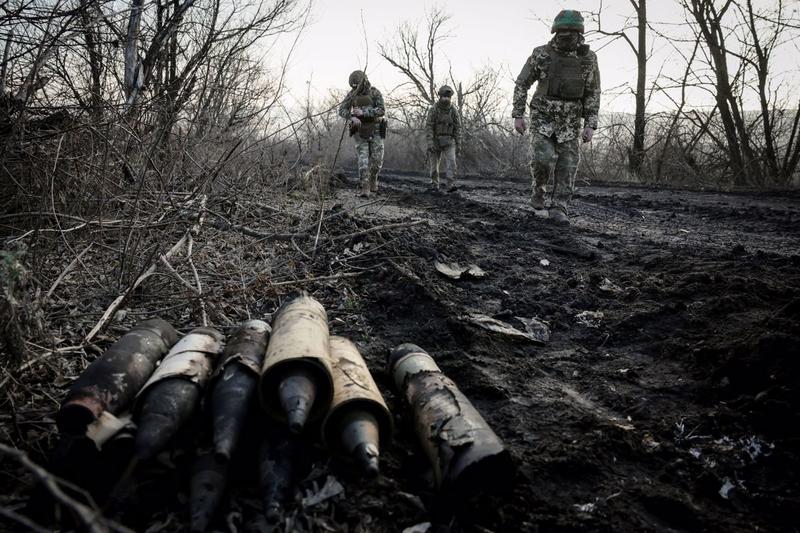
376, 111
554, 116
442, 121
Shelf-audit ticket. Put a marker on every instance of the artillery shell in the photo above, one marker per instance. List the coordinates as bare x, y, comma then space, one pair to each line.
358, 421
209, 479
466, 455
111, 382
172, 394
167, 407
296, 385
236, 383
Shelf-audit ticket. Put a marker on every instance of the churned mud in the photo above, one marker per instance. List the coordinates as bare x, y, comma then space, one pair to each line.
667, 397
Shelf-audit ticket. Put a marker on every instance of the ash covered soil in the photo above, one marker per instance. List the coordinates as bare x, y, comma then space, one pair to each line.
668, 395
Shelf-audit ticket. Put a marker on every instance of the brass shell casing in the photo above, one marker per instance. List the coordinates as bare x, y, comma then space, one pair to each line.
299, 341
353, 389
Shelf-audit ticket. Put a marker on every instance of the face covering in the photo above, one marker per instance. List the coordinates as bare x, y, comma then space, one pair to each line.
444, 101
567, 40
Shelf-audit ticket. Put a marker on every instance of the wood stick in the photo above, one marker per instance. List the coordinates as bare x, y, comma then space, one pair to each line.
67, 270
91, 517
381, 228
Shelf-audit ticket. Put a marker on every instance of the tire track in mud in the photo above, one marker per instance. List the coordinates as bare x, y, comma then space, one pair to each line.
593, 418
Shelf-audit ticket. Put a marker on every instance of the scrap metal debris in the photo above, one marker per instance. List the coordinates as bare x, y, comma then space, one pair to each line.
535, 330
330, 489
590, 319
456, 271
609, 286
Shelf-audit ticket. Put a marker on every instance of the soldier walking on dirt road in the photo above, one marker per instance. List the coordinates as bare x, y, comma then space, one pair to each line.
567, 90
363, 108
443, 136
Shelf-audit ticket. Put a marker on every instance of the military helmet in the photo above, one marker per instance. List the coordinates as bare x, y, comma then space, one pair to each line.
356, 77
445, 90
568, 19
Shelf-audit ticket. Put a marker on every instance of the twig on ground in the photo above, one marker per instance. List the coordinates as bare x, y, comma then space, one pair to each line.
89, 515
380, 228
67, 271
23, 520
340, 275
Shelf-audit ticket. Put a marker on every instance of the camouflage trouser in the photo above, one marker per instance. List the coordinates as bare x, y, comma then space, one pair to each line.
370, 161
435, 157
559, 160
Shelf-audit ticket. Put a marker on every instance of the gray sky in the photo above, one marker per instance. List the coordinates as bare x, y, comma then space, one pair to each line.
494, 32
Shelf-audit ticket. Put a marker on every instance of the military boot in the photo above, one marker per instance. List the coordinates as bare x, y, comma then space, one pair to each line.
363, 186
558, 215
373, 183
537, 201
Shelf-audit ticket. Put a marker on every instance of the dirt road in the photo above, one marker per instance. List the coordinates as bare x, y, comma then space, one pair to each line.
667, 398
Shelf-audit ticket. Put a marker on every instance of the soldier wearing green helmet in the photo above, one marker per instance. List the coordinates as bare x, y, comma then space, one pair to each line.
443, 137
364, 110
564, 109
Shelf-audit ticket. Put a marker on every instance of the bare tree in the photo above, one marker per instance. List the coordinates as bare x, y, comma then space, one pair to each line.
636, 154
416, 56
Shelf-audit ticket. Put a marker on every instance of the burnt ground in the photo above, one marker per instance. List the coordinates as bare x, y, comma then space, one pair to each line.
673, 405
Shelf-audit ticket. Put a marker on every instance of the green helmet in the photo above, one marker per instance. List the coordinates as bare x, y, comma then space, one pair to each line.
446, 90
568, 19
356, 77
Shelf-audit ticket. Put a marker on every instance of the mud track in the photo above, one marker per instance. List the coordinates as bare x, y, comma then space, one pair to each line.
674, 407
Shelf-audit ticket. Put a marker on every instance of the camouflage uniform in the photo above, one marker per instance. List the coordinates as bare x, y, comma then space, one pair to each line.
555, 121
443, 136
369, 143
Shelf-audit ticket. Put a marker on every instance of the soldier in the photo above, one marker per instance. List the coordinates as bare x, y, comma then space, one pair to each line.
443, 135
363, 107
567, 90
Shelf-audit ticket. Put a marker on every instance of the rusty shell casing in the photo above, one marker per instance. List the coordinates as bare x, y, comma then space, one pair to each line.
207, 489
112, 381
298, 345
172, 394
466, 455
235, 383
354, 390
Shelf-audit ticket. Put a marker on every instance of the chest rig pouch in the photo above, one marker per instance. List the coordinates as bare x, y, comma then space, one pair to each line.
444, 127
367, 129
565, 77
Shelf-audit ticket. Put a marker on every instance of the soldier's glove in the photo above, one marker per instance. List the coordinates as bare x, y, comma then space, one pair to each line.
587, 135
355, 123
357, 112
520, 125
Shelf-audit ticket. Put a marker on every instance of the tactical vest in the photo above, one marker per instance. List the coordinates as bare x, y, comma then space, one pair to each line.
444, 124
564, 78
367, 129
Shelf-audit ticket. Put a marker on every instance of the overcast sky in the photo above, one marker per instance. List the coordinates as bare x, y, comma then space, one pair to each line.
501, 33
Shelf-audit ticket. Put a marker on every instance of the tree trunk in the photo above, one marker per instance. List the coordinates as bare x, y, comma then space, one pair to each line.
636, 157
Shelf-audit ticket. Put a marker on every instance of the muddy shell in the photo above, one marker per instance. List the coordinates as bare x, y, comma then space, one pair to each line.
466, 455
112, 381
235, 384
